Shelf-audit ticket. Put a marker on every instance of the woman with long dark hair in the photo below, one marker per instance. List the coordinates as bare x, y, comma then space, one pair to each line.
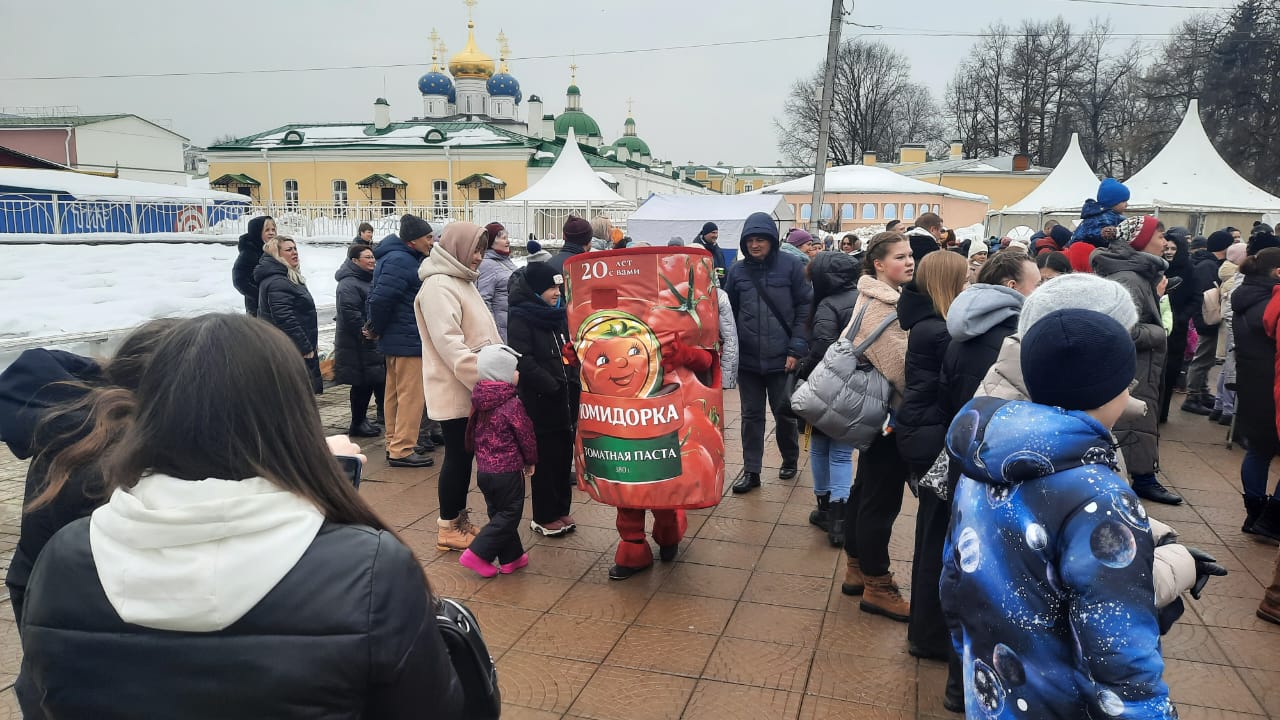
1255, 315
1185, 299
63, 411
881, 476
234, 564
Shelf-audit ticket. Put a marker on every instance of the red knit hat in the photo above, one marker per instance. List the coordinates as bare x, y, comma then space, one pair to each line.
1138, 231
1078, 253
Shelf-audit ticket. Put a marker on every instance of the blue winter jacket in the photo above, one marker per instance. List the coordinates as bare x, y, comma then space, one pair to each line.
1046, 580
395, 285
764, 343
1094, 217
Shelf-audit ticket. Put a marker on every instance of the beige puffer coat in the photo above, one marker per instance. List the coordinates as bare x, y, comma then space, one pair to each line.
454, 322
889, 352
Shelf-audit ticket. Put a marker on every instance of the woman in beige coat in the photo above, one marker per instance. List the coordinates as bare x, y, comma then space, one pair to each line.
882, 473
454, 323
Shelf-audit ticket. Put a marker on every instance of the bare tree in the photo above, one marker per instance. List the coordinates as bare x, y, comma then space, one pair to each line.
876, 107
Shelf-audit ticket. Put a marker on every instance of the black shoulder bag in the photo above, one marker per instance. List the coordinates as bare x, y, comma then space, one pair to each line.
471, 660
793, 378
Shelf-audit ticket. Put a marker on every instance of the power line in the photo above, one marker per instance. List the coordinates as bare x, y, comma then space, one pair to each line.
1135, 3
906, 32
386, 66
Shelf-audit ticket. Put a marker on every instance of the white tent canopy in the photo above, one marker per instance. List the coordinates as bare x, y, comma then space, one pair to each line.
663, 217
570, 180
1190, 175
866, 179
1068, 186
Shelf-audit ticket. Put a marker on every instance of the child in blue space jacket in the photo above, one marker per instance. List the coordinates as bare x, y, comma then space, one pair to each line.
1046, 581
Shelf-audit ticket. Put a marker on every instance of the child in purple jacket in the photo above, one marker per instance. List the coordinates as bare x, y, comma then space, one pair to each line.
501, 436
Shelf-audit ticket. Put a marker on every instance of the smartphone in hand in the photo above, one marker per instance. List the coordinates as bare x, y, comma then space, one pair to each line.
352, 466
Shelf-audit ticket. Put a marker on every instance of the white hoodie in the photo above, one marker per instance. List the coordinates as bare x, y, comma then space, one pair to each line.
195, 556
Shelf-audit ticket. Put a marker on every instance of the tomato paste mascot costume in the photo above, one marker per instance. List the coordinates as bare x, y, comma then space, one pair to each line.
650, 426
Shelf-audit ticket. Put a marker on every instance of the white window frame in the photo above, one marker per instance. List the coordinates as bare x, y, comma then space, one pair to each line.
291, 194
440, 193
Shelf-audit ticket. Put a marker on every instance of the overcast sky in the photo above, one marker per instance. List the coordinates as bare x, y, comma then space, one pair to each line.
705, 105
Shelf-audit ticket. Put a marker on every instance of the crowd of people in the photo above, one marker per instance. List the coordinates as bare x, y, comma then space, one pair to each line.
185, 490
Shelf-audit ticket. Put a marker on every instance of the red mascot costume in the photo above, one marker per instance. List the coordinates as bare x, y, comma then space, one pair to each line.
650, 426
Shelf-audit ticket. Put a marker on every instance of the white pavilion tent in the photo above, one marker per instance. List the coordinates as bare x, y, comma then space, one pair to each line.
1188, 183
570, 187
662, 217
1059, 197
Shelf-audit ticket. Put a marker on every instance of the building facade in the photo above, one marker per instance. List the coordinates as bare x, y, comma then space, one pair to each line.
124, 146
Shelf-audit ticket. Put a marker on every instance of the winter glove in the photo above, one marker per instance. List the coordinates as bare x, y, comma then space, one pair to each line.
568, 355
1206, 566
676, 354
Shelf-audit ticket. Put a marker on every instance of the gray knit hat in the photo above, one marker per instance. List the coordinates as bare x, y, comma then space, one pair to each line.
497, 362
1079, 291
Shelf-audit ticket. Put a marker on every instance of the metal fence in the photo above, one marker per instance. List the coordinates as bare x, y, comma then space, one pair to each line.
53, 215
49, 215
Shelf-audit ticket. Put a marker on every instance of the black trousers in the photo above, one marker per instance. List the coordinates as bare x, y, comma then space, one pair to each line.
926, 629
360, 395
455, 471
1173, 363
874, 504
753, 389
504, 497
552, 482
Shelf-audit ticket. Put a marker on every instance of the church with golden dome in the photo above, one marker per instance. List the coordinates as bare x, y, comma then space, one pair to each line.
475, 138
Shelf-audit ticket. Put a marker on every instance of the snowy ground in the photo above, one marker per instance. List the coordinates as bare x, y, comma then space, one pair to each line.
49, 290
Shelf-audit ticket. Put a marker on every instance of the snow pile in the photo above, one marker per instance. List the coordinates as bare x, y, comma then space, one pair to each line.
59, 289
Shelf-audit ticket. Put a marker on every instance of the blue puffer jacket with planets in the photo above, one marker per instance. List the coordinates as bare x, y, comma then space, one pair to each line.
1046, 581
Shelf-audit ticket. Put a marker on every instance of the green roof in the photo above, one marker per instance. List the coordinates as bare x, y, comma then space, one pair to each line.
583, 124
235, 179
633, 144
397, 136
573, 90
381, 179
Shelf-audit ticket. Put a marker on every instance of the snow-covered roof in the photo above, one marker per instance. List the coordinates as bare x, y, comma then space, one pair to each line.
607, 177
867, 179
662, 217
413, 134
570, 179
96, 187
997, 164
1189, 174
1068, 186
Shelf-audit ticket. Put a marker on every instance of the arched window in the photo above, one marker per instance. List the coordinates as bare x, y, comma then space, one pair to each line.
890, 211
936, 209
868, 211
846, 211
827, 211
806, 211
908, 211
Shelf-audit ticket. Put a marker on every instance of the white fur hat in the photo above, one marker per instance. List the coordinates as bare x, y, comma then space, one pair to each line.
1080, 291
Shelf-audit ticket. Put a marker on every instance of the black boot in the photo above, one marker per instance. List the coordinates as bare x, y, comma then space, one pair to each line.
1253, 506
835, 520
364, 429
819, 517
1216, 415
953, 696
1268, 523
1194, 405
748, 482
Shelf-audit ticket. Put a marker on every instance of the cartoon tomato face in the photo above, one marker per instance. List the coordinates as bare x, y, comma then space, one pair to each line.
616, 367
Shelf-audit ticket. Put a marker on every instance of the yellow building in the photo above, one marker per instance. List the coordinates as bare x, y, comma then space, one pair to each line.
738, 179
1005, 179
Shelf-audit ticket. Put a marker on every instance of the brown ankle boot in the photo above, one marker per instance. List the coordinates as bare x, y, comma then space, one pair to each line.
883, 597
465, 524
1269, 610
853, 583
454, 534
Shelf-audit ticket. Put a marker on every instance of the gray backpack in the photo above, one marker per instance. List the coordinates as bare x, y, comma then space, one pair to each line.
846, 397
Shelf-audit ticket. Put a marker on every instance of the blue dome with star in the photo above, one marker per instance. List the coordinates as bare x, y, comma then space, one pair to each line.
504, 85
435, 83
